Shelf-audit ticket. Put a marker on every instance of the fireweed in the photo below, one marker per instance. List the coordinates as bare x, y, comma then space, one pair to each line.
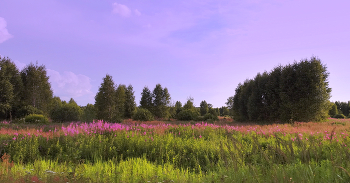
109, 152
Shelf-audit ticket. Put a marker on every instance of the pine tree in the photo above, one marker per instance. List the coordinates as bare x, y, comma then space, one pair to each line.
105, 101
120, 101
146, 99
130, 104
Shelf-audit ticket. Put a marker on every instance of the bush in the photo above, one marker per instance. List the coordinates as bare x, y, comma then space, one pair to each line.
143, 115
36, 118
27, 110
339, 116
187, 115
211, 117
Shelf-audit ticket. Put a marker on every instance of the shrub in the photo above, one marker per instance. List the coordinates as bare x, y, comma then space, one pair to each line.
211, 117
142, 114
36, 118
27, 110
338, 116
187, 115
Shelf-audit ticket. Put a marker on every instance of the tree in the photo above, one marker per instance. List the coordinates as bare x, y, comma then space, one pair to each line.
11, 88
89, 113
37, 89
296, 92
64, 112
130, 104
178, 107
204, 108
334, 110
105, 101
146, 99
120, 101
161, 100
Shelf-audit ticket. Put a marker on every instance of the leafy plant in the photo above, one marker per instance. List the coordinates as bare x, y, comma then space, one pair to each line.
143, 115
36, 118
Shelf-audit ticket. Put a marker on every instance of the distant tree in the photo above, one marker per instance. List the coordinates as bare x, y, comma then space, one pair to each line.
105, 101
334, 110
130, 104
178, 107
146, 99
120, 102
65, 112
161, 100
6, 96
189, 111
204, 108
343, 107
89, 113
37, 89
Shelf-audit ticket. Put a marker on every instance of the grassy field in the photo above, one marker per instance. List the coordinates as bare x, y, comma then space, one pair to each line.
175, 152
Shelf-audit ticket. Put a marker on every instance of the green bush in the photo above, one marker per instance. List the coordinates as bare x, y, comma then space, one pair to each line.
27, 110
211, 117
187, 115
338, 116
36, 118
143, 115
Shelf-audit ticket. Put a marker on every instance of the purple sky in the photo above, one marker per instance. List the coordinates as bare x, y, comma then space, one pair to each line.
198, 48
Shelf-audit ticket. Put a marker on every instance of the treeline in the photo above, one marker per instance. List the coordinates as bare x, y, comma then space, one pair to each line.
295, 92
28, 93
340, 109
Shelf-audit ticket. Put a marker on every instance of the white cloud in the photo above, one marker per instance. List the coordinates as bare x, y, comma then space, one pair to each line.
137, 12
4, 34
121, 10
69, 85
20, 65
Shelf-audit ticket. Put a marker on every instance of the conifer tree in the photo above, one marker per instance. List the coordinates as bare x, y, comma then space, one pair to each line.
120, 101
161, 99
105, 101
130, 104
146, 99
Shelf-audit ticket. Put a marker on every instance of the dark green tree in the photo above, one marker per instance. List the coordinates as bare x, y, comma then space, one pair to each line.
334, 110
105, 101
130, 104
161, 100
120, 102
37, 89
89, 113
178, 107
203, 108
146, 99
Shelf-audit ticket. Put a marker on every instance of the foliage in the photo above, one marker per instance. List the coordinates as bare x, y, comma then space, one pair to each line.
296, 92
343, 107
146, 99
187, 115
204, 108
210, 116
202, 152
36, 118
130, 104
161, 101
89, 113
38, 92
65, 112
142, 114
105, 102
339, 116
120, 99
11, 88
334, 109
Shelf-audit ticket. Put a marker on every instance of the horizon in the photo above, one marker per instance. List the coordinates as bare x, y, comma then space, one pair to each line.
199, 49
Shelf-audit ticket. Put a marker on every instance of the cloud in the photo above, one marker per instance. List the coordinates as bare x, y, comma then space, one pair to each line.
69, 85
121, 10
4, 34
137, 12
20, 65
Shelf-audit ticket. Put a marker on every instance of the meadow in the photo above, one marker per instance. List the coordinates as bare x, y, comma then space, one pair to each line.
175, 152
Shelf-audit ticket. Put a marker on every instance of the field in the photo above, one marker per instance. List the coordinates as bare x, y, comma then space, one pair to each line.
175, 152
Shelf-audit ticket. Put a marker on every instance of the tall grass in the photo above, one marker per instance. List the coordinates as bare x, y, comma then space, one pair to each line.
105, 152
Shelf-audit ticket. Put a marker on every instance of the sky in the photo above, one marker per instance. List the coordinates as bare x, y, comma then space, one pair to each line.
196, 48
